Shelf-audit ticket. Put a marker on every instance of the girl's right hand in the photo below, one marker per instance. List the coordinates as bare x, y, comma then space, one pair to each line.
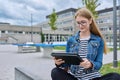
58, 61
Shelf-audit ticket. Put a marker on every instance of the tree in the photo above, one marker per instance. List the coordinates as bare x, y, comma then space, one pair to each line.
91, 5
42, 36
52, 21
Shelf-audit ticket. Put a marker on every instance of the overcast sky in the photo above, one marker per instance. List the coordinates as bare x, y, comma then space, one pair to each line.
18, 12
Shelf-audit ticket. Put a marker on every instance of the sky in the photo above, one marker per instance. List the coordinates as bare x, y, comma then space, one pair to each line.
18, 12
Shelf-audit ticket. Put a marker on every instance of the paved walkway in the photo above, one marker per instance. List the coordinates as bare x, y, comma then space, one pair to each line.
9, 59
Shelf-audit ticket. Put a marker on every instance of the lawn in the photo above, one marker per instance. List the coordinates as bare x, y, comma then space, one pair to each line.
111, 49
63, 48
107, 68
60, 48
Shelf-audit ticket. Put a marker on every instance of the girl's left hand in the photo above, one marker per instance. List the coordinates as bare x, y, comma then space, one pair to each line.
86, 63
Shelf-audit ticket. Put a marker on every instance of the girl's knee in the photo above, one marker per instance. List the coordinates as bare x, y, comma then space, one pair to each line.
54, 71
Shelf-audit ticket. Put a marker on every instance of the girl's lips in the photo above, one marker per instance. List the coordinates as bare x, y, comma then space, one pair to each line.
81, 28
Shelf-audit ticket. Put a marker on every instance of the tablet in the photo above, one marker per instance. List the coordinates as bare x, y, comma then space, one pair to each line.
69, 58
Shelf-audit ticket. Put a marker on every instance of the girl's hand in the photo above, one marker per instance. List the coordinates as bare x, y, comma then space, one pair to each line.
86, 63
58, 61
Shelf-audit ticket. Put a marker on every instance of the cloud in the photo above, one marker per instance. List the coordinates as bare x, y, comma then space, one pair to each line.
10, 10
22, 9
105, 4
18, 12
65, 4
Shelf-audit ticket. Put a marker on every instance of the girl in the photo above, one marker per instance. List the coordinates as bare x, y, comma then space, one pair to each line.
88, 42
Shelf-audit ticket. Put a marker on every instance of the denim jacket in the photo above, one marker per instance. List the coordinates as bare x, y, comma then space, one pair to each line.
95, 49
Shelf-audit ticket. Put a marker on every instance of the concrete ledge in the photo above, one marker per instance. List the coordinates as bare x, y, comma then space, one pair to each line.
22, 74
25, 49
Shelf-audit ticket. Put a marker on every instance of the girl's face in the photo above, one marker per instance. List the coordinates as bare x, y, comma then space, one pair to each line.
83, 23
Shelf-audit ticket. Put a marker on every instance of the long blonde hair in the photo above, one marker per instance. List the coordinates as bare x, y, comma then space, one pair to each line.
84, 12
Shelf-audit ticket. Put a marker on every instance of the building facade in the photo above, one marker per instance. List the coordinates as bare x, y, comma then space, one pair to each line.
66, 22
105, 22
18, 34
66, 26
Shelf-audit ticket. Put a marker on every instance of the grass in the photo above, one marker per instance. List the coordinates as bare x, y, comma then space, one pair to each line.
63, 48
107, 68
60, 48
111, 49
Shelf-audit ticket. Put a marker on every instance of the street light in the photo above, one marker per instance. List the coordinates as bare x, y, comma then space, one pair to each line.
31, 29
114, 35
119, 20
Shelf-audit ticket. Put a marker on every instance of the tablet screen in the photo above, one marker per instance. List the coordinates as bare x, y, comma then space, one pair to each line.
69, 58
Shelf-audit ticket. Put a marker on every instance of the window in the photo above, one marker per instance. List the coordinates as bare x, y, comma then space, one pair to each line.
2, 31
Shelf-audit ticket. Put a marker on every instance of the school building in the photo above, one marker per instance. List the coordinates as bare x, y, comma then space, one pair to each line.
66, 26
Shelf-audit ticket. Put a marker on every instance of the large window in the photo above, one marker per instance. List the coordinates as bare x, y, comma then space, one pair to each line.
65, 14
104, 28
103, 20
2, 31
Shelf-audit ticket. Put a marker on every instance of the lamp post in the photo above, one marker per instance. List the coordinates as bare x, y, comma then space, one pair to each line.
119, 20
114, 35
31, 29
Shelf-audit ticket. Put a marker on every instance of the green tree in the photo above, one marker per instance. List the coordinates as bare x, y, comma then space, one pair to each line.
91, 5
52, 21
42, 36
